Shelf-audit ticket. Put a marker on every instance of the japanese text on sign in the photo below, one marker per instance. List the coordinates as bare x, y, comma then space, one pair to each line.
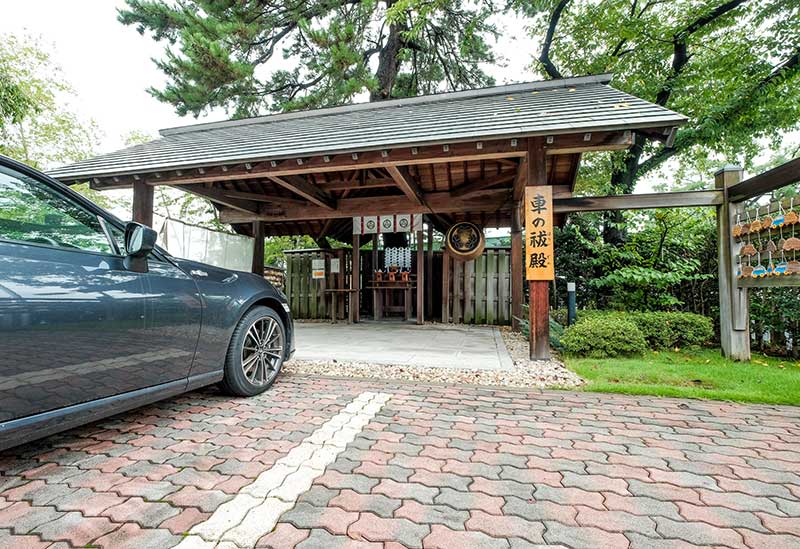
539, 233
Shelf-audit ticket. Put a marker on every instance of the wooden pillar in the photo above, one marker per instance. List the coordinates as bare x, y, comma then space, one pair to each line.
420, 278
445, 286
516, 267
734, 321
355, 280
376, 312
143, 203
429, 278
538, 290
258, 248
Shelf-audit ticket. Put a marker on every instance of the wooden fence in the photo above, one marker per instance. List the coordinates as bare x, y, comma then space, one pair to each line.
472, 292
477, 291
307, 296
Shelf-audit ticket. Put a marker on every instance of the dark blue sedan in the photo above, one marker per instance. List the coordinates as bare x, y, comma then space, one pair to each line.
95, 319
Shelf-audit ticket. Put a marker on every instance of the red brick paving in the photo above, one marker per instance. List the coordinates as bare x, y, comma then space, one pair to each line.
438, 466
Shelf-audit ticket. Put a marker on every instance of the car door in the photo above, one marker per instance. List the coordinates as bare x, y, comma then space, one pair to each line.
73, 321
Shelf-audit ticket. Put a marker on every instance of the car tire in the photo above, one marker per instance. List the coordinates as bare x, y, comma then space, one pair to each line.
256, 353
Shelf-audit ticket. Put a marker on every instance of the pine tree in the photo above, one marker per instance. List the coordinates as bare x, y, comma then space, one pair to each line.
252, 56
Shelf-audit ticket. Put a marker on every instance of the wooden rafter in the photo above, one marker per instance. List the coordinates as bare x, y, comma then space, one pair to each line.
221, 197
481, 185
440, 202
406, 183
261, 197
307, 190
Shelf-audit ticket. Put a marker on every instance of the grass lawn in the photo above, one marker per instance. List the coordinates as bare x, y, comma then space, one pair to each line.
699, 373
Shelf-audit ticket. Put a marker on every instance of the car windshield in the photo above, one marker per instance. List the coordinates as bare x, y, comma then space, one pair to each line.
32, 212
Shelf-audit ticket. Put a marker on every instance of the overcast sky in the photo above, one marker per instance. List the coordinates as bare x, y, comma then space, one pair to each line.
109, 65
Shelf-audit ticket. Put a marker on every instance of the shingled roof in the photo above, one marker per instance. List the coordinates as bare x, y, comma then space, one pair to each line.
552, 107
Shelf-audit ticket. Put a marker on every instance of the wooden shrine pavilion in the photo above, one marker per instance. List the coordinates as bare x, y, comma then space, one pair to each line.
452, 157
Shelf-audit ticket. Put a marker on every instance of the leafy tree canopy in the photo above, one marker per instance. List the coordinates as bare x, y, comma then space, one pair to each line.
231, 53
731, 66
40, 130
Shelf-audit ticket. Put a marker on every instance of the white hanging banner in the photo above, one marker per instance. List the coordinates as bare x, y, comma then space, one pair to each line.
387, 224
370, 224
400, 223
416, 224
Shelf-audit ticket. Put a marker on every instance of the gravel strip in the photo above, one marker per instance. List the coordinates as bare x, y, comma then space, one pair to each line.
538, 374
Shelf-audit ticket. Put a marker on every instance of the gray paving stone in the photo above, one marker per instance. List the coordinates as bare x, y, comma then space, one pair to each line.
318, 496
699, 533
583, 538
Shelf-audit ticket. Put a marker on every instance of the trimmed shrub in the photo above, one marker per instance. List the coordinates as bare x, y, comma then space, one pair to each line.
690, 329
655, 327
604, 337
662, 329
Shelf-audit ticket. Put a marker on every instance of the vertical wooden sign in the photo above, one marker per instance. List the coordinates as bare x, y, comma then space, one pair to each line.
539, 254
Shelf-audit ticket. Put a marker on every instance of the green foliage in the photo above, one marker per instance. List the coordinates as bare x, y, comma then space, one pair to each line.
250, 57
661, 330
275, 246
556, 329
731, 67
667, 263
610, 336
697, 373
36, 125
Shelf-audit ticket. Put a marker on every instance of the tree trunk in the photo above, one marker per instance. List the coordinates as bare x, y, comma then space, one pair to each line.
388, 63
623, 181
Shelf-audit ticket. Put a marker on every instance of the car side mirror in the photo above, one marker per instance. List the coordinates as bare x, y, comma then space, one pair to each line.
139, 242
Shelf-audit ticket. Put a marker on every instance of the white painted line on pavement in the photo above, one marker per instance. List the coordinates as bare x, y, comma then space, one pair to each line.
255, 510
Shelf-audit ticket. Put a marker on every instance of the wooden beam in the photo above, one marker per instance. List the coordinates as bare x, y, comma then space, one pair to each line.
406, 183
309, 191
405, 156
538, 290
481, 185
733, 301
781, 176
143, 203
588, 142
573, 171
258, 248
520, 181
516, 266
497, 149
259, 197
685, 199
429, 270
445, 287
342, 185
220, 197
355, 280
791, 281
420, 279
440, 202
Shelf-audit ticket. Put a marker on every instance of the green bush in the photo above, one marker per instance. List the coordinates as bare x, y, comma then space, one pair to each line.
604, 337
662, 329
655, 327
690, 329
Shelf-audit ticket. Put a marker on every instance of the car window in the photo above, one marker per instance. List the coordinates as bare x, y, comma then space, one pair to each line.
30, 211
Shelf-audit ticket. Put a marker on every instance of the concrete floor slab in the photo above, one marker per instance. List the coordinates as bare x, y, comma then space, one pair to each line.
395, 342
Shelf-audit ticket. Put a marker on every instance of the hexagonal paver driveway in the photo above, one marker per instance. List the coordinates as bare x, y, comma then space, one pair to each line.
327, 463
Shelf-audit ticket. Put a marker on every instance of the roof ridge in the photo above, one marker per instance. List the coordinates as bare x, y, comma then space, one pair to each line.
604, 78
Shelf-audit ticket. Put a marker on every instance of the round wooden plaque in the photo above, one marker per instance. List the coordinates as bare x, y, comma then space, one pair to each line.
465, 241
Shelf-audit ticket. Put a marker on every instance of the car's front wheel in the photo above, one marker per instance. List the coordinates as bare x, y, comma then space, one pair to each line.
256, 353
